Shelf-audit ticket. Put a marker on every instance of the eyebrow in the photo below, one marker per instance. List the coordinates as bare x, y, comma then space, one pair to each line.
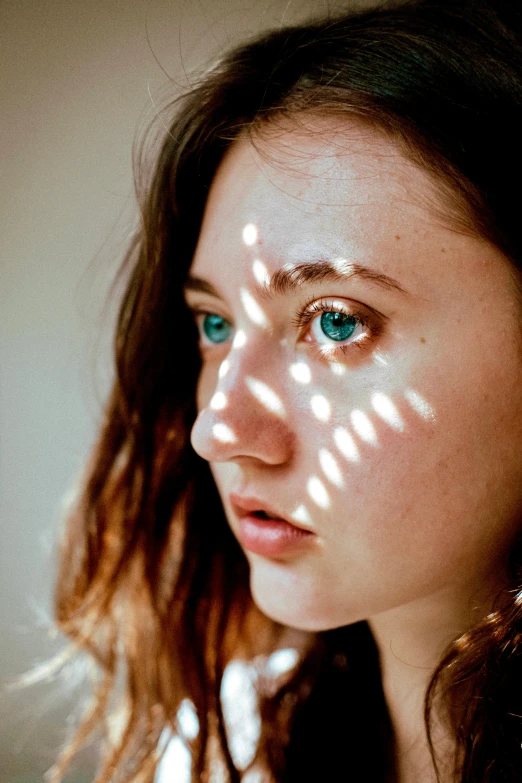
289, 279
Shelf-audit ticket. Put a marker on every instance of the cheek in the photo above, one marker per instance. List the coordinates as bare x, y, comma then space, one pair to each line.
439, 495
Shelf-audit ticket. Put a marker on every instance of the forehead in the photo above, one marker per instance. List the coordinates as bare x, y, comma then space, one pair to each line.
328, 190
325, 181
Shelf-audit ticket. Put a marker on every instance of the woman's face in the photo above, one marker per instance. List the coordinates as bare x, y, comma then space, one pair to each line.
375, 403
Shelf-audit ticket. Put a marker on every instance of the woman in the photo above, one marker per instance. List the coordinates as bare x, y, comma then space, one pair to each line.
334, 217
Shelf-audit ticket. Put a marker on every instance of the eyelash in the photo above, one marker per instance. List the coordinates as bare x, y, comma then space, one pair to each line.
309, 311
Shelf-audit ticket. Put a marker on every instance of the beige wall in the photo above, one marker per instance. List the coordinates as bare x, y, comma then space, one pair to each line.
74, 81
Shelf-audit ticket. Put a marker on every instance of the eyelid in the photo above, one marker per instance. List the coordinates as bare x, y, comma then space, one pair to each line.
366, 316
304, 317
198, 309
203, 305
351, 306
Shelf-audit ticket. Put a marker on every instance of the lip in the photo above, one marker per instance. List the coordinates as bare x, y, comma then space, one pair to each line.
244, 506
272, 536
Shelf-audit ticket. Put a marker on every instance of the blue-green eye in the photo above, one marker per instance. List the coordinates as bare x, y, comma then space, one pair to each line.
216, 328
338, 326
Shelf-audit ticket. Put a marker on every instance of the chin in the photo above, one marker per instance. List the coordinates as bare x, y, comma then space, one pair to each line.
294, 608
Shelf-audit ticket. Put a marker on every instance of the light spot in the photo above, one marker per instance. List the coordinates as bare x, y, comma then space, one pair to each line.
320, 407
250, 234
338, 368
176, 763
420, 405
281, 661
385, 408
253, 775
346, 444
165, 737
218, 401
240, 711
239, 339
223, 433
188, 720
224, 367
364, 428
253, 310
379, 359
300, 514
260, 272
339, 264
343, 266
266, 396
300, 372
318, 492
330, 467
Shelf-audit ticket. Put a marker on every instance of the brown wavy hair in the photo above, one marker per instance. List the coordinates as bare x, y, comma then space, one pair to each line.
152, 583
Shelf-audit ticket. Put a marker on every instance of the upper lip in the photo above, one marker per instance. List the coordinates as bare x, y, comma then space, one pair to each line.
245, 505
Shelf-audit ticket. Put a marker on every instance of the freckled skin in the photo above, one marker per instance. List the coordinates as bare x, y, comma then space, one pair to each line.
429, 513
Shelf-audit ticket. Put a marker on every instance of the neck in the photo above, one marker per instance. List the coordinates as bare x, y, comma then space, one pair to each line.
411, 640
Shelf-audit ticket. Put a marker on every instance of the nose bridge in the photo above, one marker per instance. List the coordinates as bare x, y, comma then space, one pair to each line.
247, 414
251, 360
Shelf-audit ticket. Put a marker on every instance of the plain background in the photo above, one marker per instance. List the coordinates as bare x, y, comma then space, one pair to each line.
77, 79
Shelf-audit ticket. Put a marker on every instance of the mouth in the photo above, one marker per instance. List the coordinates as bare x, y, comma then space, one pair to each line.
263, 531
255, 508
264, 515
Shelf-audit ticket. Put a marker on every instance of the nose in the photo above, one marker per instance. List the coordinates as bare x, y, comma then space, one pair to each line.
245, 417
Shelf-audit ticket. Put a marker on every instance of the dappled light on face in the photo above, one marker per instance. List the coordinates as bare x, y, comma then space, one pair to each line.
266, 396
223, 434
218, 401
321, 407
420, 405
385, 408
239, 340
330, 467
223, 368
260, 272
300, 514
253, 310
337, 368
300, 372
318, 492
343, 266
378, 358
364, 428
346, 444
250, 234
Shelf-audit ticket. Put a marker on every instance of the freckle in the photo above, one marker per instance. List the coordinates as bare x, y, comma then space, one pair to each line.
397, 236
423, 339
443, 250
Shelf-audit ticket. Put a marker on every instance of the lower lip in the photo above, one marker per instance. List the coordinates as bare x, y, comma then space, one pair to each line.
272, 537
